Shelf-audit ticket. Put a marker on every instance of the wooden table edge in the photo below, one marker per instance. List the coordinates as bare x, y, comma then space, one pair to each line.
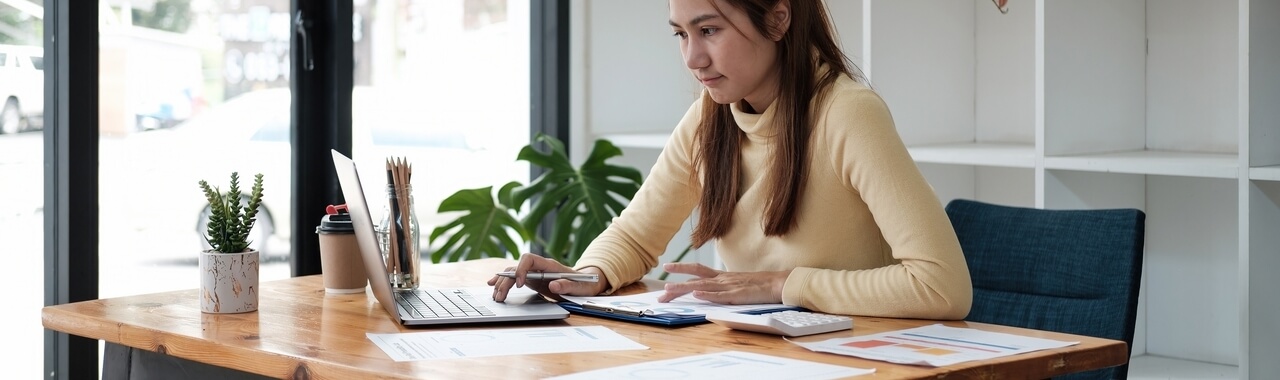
282, 366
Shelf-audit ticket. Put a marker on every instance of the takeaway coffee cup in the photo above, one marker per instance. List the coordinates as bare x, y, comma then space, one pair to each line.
340, 262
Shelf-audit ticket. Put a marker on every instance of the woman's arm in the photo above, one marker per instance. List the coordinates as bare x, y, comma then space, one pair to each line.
930, 279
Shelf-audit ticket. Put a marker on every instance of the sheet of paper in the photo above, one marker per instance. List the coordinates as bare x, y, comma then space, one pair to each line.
934, 345
685, 305
480, 343
722, 365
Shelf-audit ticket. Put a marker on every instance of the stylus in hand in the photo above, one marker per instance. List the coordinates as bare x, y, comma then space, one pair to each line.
579, 277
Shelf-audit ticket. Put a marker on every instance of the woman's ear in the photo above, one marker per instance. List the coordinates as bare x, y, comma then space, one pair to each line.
779, 20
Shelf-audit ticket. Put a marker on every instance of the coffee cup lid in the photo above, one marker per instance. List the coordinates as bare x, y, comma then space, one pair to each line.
335, 224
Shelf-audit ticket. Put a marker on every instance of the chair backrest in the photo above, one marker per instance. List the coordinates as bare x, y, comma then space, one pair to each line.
1072, 271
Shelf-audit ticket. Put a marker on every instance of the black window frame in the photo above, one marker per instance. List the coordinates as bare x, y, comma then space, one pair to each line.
321, 86
70, 178
549, 84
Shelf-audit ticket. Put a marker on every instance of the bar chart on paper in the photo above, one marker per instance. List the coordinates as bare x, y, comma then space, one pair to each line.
933, 345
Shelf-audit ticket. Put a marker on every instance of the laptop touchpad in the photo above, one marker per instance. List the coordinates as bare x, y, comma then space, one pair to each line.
521, 296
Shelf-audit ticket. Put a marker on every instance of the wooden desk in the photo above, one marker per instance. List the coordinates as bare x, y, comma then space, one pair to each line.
301, 332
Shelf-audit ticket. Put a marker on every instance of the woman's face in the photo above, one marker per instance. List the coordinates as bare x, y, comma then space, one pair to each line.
732, 65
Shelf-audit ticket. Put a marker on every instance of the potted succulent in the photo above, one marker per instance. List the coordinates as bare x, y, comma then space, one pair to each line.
229, 270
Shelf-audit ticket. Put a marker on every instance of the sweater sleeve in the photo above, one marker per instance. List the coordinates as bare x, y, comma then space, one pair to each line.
630, 247
929, 278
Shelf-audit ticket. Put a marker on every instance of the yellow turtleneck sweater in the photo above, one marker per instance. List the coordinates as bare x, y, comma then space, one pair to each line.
871, 238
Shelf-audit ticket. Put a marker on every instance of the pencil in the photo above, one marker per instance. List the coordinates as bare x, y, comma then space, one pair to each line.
415, 259
406, 265
402, 225
393, 260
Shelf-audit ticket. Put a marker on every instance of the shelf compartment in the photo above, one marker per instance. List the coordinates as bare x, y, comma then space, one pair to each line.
1192, 253
1192, 232
978, 154
1155, 162
947, 76
1258, 268
1197, 113
1087, 46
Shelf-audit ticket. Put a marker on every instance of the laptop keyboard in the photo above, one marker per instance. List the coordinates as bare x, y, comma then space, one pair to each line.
452, 303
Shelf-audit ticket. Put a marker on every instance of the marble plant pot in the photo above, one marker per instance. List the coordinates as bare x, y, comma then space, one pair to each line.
228, 282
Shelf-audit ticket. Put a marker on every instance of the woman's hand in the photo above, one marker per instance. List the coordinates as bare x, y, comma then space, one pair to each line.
533, 263
733, 288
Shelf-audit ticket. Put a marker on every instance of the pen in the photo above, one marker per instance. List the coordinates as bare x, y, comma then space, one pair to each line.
580, 277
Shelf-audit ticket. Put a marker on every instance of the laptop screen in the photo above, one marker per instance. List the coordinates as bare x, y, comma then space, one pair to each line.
362, 221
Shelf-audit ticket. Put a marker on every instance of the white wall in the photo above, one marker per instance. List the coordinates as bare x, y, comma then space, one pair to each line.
636, 80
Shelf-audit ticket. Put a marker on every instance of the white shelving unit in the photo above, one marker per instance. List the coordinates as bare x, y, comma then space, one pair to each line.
1168, 106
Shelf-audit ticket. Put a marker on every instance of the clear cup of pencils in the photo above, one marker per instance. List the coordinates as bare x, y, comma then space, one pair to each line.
399, 232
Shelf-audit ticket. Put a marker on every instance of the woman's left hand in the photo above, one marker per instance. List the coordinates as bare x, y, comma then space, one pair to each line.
733, 288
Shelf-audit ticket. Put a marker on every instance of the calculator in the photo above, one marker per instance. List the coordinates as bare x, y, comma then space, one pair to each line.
786, 323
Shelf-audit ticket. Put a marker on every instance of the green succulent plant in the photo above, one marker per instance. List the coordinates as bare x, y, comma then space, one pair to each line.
229, 220
584, 199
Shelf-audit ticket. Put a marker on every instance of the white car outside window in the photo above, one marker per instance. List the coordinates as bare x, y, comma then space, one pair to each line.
21, 88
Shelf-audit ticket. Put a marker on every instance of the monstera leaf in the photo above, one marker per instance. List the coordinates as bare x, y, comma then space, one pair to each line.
484, 228
585, 200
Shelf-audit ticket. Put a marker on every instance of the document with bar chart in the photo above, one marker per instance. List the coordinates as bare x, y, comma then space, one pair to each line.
498, 342
933, 345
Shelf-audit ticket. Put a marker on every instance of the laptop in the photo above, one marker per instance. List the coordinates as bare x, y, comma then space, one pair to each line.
428, 306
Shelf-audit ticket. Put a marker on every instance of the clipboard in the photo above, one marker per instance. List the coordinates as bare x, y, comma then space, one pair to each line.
646, 316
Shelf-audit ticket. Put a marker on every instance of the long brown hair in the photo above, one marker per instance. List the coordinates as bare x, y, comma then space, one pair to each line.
807, 44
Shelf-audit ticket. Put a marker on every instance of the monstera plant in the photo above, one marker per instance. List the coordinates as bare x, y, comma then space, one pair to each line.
584, 200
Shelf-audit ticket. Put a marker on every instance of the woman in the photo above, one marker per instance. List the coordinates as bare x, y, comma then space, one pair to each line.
797, 173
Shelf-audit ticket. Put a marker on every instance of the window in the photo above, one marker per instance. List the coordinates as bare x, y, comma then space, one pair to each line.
236, 49
445, 85
22, 170
217, 103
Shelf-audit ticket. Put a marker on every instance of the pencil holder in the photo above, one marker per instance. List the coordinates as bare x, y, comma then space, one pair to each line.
398, 236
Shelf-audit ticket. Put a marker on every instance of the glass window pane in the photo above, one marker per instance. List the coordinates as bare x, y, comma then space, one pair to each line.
444, 84
191, 90
22, 172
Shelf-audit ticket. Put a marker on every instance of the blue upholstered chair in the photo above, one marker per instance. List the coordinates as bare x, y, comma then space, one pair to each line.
1072, 271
